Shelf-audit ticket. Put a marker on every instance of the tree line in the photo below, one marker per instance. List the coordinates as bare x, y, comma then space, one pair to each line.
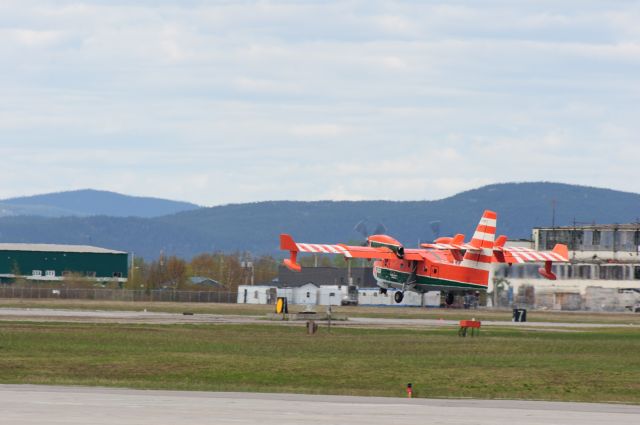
230, 270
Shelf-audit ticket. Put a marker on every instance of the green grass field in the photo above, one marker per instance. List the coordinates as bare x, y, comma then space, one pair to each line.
596, 365
359, 311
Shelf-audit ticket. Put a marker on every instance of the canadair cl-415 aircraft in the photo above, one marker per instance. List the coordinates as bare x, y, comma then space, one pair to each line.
449, 264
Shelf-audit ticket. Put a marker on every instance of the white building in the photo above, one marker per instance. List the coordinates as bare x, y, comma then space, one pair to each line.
593, 242
262, 294
331, 294
603, 272
373, 297
310, 294
306, 294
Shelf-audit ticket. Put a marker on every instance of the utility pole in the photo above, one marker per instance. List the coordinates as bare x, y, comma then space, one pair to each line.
248, 265
133, 266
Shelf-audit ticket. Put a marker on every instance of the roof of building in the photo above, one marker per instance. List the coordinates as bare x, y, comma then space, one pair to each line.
45, 247
624, 226
202, 280
362, 276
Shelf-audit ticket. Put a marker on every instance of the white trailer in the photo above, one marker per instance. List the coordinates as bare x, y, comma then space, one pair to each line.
248, 294
332, 294
373, 297
306, 294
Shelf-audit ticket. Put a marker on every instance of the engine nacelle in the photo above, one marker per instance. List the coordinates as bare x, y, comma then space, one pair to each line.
388, 242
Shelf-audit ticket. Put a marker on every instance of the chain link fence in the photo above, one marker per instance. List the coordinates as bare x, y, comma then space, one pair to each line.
119, 295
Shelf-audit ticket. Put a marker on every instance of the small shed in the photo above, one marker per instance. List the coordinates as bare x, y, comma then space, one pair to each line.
331, 294
248, 294
306, 294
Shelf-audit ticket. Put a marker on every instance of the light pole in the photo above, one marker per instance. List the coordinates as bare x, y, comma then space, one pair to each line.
248, 265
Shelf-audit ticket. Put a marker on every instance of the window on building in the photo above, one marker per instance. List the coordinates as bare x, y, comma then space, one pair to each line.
308, 294
36, 272
255, 295
636, 272
584, 272
595, 237
611, 272
375, 294
50, 273
117, 274
332, 294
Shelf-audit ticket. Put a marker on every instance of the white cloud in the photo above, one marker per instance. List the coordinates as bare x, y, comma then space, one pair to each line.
317, 130
243, 101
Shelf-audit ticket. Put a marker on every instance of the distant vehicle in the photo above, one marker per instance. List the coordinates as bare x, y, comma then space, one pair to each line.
449, 264
634, 308
352, 296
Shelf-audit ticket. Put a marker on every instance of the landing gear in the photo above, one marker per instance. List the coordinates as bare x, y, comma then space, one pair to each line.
398, 296
383, 291
449, 298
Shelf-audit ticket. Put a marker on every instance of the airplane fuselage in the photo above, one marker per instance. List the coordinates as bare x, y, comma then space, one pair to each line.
429, 275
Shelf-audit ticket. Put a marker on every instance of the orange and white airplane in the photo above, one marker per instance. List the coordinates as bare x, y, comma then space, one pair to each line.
449, 264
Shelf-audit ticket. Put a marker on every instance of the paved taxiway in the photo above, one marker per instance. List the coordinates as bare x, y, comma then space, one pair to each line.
101, 316
42, 405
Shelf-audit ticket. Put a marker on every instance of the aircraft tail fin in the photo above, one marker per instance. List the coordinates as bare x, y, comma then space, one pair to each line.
485, 234
483, 241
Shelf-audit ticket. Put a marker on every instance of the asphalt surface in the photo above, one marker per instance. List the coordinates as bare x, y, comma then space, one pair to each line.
42, 405
102, 316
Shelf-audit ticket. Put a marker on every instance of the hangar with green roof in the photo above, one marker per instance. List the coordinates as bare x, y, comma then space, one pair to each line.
52, 262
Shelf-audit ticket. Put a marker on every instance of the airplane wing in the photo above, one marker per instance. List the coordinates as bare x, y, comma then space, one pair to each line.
459, 247
560, 253
348, 251
512, 255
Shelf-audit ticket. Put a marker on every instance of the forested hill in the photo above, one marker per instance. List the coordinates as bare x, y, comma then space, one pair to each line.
91, 202
255, 227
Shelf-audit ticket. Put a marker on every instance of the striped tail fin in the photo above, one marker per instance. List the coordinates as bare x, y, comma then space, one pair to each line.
483, 240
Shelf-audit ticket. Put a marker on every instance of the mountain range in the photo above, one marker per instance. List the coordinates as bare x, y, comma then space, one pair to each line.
255, 227
88, 202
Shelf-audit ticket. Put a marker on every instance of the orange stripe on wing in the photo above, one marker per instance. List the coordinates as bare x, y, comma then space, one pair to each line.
472, 256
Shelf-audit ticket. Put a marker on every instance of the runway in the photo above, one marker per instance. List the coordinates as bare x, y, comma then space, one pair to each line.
42, 405
104, 316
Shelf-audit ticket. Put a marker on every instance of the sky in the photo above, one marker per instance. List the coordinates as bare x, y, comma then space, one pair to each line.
218, 102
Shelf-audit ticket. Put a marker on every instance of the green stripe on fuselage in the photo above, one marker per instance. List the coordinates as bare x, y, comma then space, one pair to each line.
423, 283
392, 247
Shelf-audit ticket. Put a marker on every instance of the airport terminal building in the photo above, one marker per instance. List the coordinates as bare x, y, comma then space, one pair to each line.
50, 262
603, 272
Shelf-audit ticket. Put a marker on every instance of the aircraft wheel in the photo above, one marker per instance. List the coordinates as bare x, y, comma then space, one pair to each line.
383, 291
449, 298
398, 297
